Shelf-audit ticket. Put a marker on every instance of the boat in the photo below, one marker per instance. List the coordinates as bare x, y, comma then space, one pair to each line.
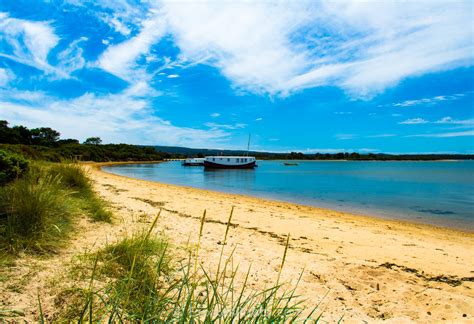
230, 162
290, 164
193, 162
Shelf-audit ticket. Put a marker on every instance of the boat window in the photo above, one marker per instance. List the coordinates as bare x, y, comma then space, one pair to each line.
228, 160
213, 159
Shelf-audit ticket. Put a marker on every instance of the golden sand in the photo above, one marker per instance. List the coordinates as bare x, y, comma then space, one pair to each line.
368, 268
358, 267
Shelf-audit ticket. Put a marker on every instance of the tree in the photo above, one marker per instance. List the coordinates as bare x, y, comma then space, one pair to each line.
93, 141
44, 136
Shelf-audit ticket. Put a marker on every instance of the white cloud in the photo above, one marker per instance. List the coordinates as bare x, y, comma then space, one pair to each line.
215, 115
124, 117
428, 101
363, 47
173, 76
259, 119
414, 121
31, 42
121, 59
216, 126
71, 58
345, 136
444, 135
5, 77
449, 120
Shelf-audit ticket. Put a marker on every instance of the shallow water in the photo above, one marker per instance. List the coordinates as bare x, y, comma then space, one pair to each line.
439, 193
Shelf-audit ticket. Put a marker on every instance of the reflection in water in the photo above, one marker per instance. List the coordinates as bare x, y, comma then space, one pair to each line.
229, 177
433, 192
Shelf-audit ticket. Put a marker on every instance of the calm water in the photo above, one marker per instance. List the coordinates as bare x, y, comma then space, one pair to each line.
440, 193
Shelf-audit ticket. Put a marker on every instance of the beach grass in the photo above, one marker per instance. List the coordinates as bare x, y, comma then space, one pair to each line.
37, 211
147, 281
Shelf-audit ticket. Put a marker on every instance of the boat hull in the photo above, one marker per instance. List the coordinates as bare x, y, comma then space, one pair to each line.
212, 165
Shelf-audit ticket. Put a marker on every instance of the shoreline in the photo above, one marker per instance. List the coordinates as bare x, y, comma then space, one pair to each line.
366, 216
369, 269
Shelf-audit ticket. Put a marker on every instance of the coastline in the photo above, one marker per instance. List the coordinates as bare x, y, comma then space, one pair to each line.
343, 212
374, 268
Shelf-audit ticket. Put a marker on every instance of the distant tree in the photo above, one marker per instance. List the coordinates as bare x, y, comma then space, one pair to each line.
200, 155
93, 141
68, 141
44, 136
22, 135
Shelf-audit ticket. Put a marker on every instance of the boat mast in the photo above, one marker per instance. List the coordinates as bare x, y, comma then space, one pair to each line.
248, 146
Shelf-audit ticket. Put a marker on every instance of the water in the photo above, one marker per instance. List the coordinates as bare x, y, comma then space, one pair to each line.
438, 193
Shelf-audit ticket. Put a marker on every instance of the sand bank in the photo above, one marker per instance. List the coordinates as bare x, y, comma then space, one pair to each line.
370, 269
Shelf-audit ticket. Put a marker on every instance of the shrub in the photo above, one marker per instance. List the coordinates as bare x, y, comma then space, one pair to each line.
12, 166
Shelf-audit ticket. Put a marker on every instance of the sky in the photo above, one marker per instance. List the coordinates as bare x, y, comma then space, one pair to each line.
307, 76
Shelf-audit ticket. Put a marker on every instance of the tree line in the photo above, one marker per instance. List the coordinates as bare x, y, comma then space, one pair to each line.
45, 143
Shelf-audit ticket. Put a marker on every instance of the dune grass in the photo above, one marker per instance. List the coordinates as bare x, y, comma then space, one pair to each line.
145, 282
37, 210
74, 178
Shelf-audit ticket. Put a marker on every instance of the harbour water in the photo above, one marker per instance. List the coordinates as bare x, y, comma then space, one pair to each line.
438, 193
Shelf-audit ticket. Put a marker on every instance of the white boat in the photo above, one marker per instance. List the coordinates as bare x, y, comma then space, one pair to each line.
230, 162
193, 162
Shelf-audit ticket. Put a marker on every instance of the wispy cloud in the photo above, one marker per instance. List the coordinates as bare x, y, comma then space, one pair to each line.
225, 126
259, 119
428, 101
121, 59
215, 115
31, 41
5, 76
279, 48
414, 121
345, 136
451, 121
443, 135
123, 117
443, 121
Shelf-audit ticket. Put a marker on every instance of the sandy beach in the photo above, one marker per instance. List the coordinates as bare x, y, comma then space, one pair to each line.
359, 268
369, 268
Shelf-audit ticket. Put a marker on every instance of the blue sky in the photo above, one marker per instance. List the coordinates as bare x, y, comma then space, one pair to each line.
309, 76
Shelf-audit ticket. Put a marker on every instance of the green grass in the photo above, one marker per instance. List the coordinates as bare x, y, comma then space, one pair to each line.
74, 178
37, 211
144, 281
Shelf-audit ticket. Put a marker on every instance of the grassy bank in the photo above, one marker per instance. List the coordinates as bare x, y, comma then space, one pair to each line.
38, 208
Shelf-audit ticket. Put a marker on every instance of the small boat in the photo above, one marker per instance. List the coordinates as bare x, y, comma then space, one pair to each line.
230, 162
290, 163
193, 162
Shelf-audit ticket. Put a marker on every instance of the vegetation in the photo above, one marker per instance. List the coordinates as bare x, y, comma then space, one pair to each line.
38, 209
146, 284
44, 144
12, 166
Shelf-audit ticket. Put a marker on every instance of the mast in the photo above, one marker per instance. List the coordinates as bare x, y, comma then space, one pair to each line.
248, 146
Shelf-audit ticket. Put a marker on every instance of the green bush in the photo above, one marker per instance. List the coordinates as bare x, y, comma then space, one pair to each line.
12, 166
